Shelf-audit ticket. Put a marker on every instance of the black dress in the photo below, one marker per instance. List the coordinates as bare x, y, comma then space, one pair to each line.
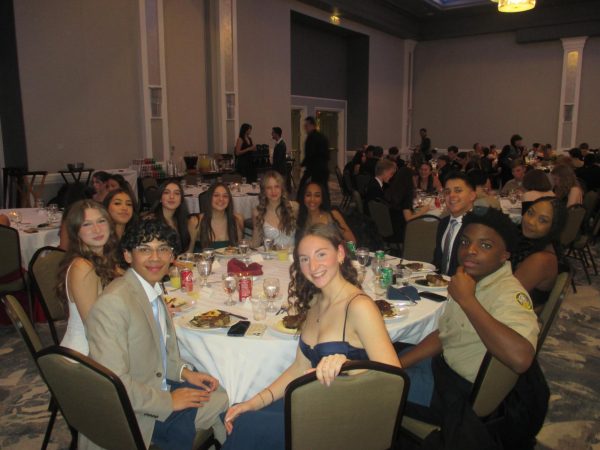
245, 163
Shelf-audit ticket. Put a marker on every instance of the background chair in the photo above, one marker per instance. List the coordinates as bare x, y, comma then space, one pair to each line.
575, 217
360, 411
552, 306
34, 345
380, 213
12, 276
43, 274
358, 202
346, 193
106, 416
419, 238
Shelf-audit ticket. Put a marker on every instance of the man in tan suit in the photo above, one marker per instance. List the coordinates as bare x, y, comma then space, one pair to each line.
130, 332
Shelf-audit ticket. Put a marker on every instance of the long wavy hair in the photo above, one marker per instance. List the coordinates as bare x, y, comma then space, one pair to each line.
287, 222
207, 234
566, 180
303, 210
105, 265
300, 290
527, 246
180, 217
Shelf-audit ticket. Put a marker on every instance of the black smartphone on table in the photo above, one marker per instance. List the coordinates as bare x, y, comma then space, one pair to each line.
239, 329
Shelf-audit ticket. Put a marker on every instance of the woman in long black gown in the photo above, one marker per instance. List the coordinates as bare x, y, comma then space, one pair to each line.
244, 153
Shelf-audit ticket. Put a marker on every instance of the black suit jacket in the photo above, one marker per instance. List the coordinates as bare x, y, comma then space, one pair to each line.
279, 157
438, 256
316, 154
374, 192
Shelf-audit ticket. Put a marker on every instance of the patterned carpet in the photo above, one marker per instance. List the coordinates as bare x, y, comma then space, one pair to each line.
570, 360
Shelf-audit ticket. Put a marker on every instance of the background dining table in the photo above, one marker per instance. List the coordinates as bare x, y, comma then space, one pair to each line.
245, 365
244, 201
32, 237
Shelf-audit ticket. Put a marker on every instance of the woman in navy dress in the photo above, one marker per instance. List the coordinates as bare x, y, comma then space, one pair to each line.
338, 322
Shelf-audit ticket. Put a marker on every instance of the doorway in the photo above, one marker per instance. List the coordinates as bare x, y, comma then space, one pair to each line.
328, 124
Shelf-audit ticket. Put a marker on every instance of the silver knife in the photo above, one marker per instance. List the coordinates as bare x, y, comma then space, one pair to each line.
232, 314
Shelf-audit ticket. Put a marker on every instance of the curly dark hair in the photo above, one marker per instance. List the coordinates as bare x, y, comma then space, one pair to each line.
207, 235
300, 290
147, 230
528, 246
287, 222
497, 221
105, 265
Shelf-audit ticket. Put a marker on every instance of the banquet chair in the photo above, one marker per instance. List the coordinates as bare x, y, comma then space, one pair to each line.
493, 383
151, 195
347, 194
552, 306
380, 213
359, 411
43, 274
362, 181
32, 341
12, 276
358, 202
106, 417
419, 238
571, 232
77, 176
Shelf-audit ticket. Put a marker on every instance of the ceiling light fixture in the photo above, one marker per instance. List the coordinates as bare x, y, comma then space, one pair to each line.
512, 6
334, 20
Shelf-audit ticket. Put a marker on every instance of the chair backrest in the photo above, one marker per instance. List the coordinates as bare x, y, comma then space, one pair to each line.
21, 322
362, 181
575, 217
340, 179
493, 383
590, 203
92, 399
419, 238
347, 182
203, 201
380, 213
359, 411
151, 194
148, 182
358, 201
552, 306
43, 270
10, 263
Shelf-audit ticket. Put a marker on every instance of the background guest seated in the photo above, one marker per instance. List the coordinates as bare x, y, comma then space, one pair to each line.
566, 186
353, 167
384, 170
536, 184
100, 184
426, 180
483, 186
123, 209
516, 183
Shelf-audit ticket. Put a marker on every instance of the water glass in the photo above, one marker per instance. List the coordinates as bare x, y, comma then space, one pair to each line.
244, 247
175, 277
271, 288
362, 256
268, 244
16, 218
244, 180
229, 286
204, 269
259, 309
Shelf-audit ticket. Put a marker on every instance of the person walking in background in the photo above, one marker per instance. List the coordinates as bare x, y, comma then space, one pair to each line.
425, 146
280, 156
244, 153
316, 155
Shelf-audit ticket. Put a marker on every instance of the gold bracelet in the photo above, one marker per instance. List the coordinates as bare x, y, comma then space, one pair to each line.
272, 396
262, 399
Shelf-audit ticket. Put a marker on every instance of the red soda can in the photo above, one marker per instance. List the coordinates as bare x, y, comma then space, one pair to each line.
245, 288
437, 202
187, 280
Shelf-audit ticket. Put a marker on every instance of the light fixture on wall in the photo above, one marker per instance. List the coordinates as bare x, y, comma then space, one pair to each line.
512, 6
334, 19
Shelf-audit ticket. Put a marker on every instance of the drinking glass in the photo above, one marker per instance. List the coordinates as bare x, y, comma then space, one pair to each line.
204, 268
16, 218
361, 274
271, 288
244, 180
259, 309
175, 277
268, 243
244, 247
229, 286
209, 255
362, 256
512, 196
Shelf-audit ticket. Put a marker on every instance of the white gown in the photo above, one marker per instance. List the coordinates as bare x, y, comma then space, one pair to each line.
278, 236
74, 337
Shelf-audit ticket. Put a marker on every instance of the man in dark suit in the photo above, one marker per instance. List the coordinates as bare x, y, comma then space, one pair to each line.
280, 156
384, 171
460, 194
372, 159
425, 146
453, 156
316, 155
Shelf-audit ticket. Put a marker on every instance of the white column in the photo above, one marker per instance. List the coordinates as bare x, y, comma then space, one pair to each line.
569, 92
407, 93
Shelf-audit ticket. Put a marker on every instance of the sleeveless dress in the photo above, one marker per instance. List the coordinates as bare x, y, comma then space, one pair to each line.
278, 236
75, 337
265, 429
245, 163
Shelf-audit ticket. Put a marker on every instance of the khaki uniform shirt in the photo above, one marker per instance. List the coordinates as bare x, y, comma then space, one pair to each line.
505, 299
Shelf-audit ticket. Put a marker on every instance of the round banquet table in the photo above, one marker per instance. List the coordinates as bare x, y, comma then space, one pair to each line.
245, 365
243, 202
32, 238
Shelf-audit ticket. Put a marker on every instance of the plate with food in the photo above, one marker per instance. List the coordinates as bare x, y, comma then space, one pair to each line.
208, 320
231, 252
416, 266
390, 312
178, 303
433, 282
287, 325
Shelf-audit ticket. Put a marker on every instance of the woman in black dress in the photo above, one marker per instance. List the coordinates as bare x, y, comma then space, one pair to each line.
244, 153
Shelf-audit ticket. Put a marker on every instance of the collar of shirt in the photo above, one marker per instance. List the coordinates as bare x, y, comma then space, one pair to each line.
504, 271
151, 291
278, 140
379, 181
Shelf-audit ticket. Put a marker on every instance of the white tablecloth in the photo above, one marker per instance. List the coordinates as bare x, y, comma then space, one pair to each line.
246, 365
242, 202
30, 242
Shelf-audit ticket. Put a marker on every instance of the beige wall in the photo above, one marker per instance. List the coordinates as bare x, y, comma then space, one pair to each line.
486, 88
186, 65
589, 101
79, 69
265, 78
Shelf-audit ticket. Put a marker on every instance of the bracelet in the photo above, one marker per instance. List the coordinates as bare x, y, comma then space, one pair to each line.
262, 399
272, 396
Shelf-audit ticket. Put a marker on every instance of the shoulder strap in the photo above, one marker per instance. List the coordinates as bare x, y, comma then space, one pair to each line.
346, 316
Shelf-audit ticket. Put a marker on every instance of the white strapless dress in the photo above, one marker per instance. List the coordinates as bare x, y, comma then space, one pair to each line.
278, 236
75, 337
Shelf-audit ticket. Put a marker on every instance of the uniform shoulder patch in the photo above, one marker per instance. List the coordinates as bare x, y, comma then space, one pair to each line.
524, 300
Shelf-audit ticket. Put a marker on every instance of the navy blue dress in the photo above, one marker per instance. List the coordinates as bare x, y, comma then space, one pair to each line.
265, 429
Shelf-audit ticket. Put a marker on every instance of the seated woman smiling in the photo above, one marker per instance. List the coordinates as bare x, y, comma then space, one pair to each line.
218, 226
315, 207
338, 322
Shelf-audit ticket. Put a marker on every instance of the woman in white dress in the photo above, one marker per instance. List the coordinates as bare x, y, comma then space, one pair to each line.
89, 265
275, 215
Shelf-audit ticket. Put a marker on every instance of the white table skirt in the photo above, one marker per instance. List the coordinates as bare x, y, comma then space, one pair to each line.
242, 203
31, 242
246, 365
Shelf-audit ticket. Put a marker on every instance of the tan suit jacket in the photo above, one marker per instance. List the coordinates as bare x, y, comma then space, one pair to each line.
123, 336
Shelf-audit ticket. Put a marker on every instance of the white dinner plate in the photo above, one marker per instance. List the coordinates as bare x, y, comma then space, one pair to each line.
427, 267
423, 286
278, 328
184, 322
400, 313
220, 252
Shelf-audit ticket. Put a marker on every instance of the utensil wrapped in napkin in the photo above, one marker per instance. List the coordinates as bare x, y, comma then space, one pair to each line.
236, 266
403, 293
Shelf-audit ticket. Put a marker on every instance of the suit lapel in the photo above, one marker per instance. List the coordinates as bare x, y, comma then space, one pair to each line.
139, 295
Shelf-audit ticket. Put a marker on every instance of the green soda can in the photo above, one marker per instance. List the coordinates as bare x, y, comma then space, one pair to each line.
351, 248
380, 255
386, 275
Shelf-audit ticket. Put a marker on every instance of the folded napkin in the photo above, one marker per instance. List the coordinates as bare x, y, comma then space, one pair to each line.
403, 293
236, 266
